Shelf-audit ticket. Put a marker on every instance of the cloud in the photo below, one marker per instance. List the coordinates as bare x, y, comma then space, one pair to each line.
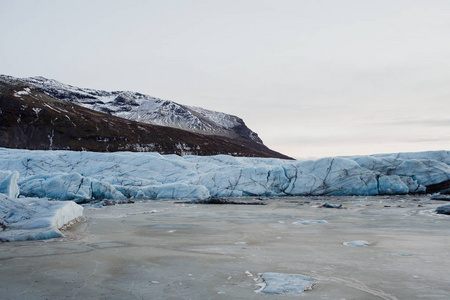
423, 122
360, 138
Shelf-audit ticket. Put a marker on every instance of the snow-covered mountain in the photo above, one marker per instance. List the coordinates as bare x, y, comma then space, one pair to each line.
146, 109
53, 116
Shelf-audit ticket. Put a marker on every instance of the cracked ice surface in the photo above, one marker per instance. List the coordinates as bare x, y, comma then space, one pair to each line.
70, 175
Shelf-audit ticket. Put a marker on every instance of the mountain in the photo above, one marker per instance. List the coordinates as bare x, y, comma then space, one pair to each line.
36, 113
146, 109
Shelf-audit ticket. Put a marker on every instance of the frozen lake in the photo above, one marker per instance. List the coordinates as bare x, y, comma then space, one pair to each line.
395, 248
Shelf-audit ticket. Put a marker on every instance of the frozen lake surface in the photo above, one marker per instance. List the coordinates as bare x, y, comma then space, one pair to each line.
169, 250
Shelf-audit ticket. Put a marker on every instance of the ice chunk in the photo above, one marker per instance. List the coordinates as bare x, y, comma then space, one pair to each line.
280, 283
8, 183
444, 209
174, 191
103, 190
401, 254
310, 222
63, 187
392, 185
358, 243
31, 218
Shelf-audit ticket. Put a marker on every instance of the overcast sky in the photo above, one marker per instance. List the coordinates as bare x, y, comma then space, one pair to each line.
313, 78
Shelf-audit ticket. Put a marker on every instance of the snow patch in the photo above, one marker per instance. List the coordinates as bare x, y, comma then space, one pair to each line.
25, 91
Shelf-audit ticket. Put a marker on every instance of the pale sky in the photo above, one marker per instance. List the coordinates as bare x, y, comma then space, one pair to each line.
313, 78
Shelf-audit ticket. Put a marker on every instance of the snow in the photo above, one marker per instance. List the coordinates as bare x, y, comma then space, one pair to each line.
25, 91
32, 219
81, 176
225, 120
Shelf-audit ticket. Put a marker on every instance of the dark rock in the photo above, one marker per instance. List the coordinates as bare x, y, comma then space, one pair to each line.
329, 205
440, 197
442, 187
217, 200
106, 202
110, 202
125, 100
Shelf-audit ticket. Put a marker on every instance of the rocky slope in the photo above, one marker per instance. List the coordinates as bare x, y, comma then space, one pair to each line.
146, 109
31, 118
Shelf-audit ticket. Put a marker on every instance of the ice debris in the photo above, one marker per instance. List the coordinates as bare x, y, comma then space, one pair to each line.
310, 222
358, 243
401, 254
31, 219
281, 283
444, 209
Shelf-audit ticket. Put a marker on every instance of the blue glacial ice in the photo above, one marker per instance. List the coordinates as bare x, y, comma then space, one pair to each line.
31, 218
80, 176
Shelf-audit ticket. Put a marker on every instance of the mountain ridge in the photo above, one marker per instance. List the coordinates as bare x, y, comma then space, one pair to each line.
31, 119
143, 108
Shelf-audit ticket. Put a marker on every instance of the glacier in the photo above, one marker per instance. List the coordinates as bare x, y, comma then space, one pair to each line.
82, 176
32, 180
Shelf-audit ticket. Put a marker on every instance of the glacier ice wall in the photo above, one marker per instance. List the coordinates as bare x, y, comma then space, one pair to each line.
69, 175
